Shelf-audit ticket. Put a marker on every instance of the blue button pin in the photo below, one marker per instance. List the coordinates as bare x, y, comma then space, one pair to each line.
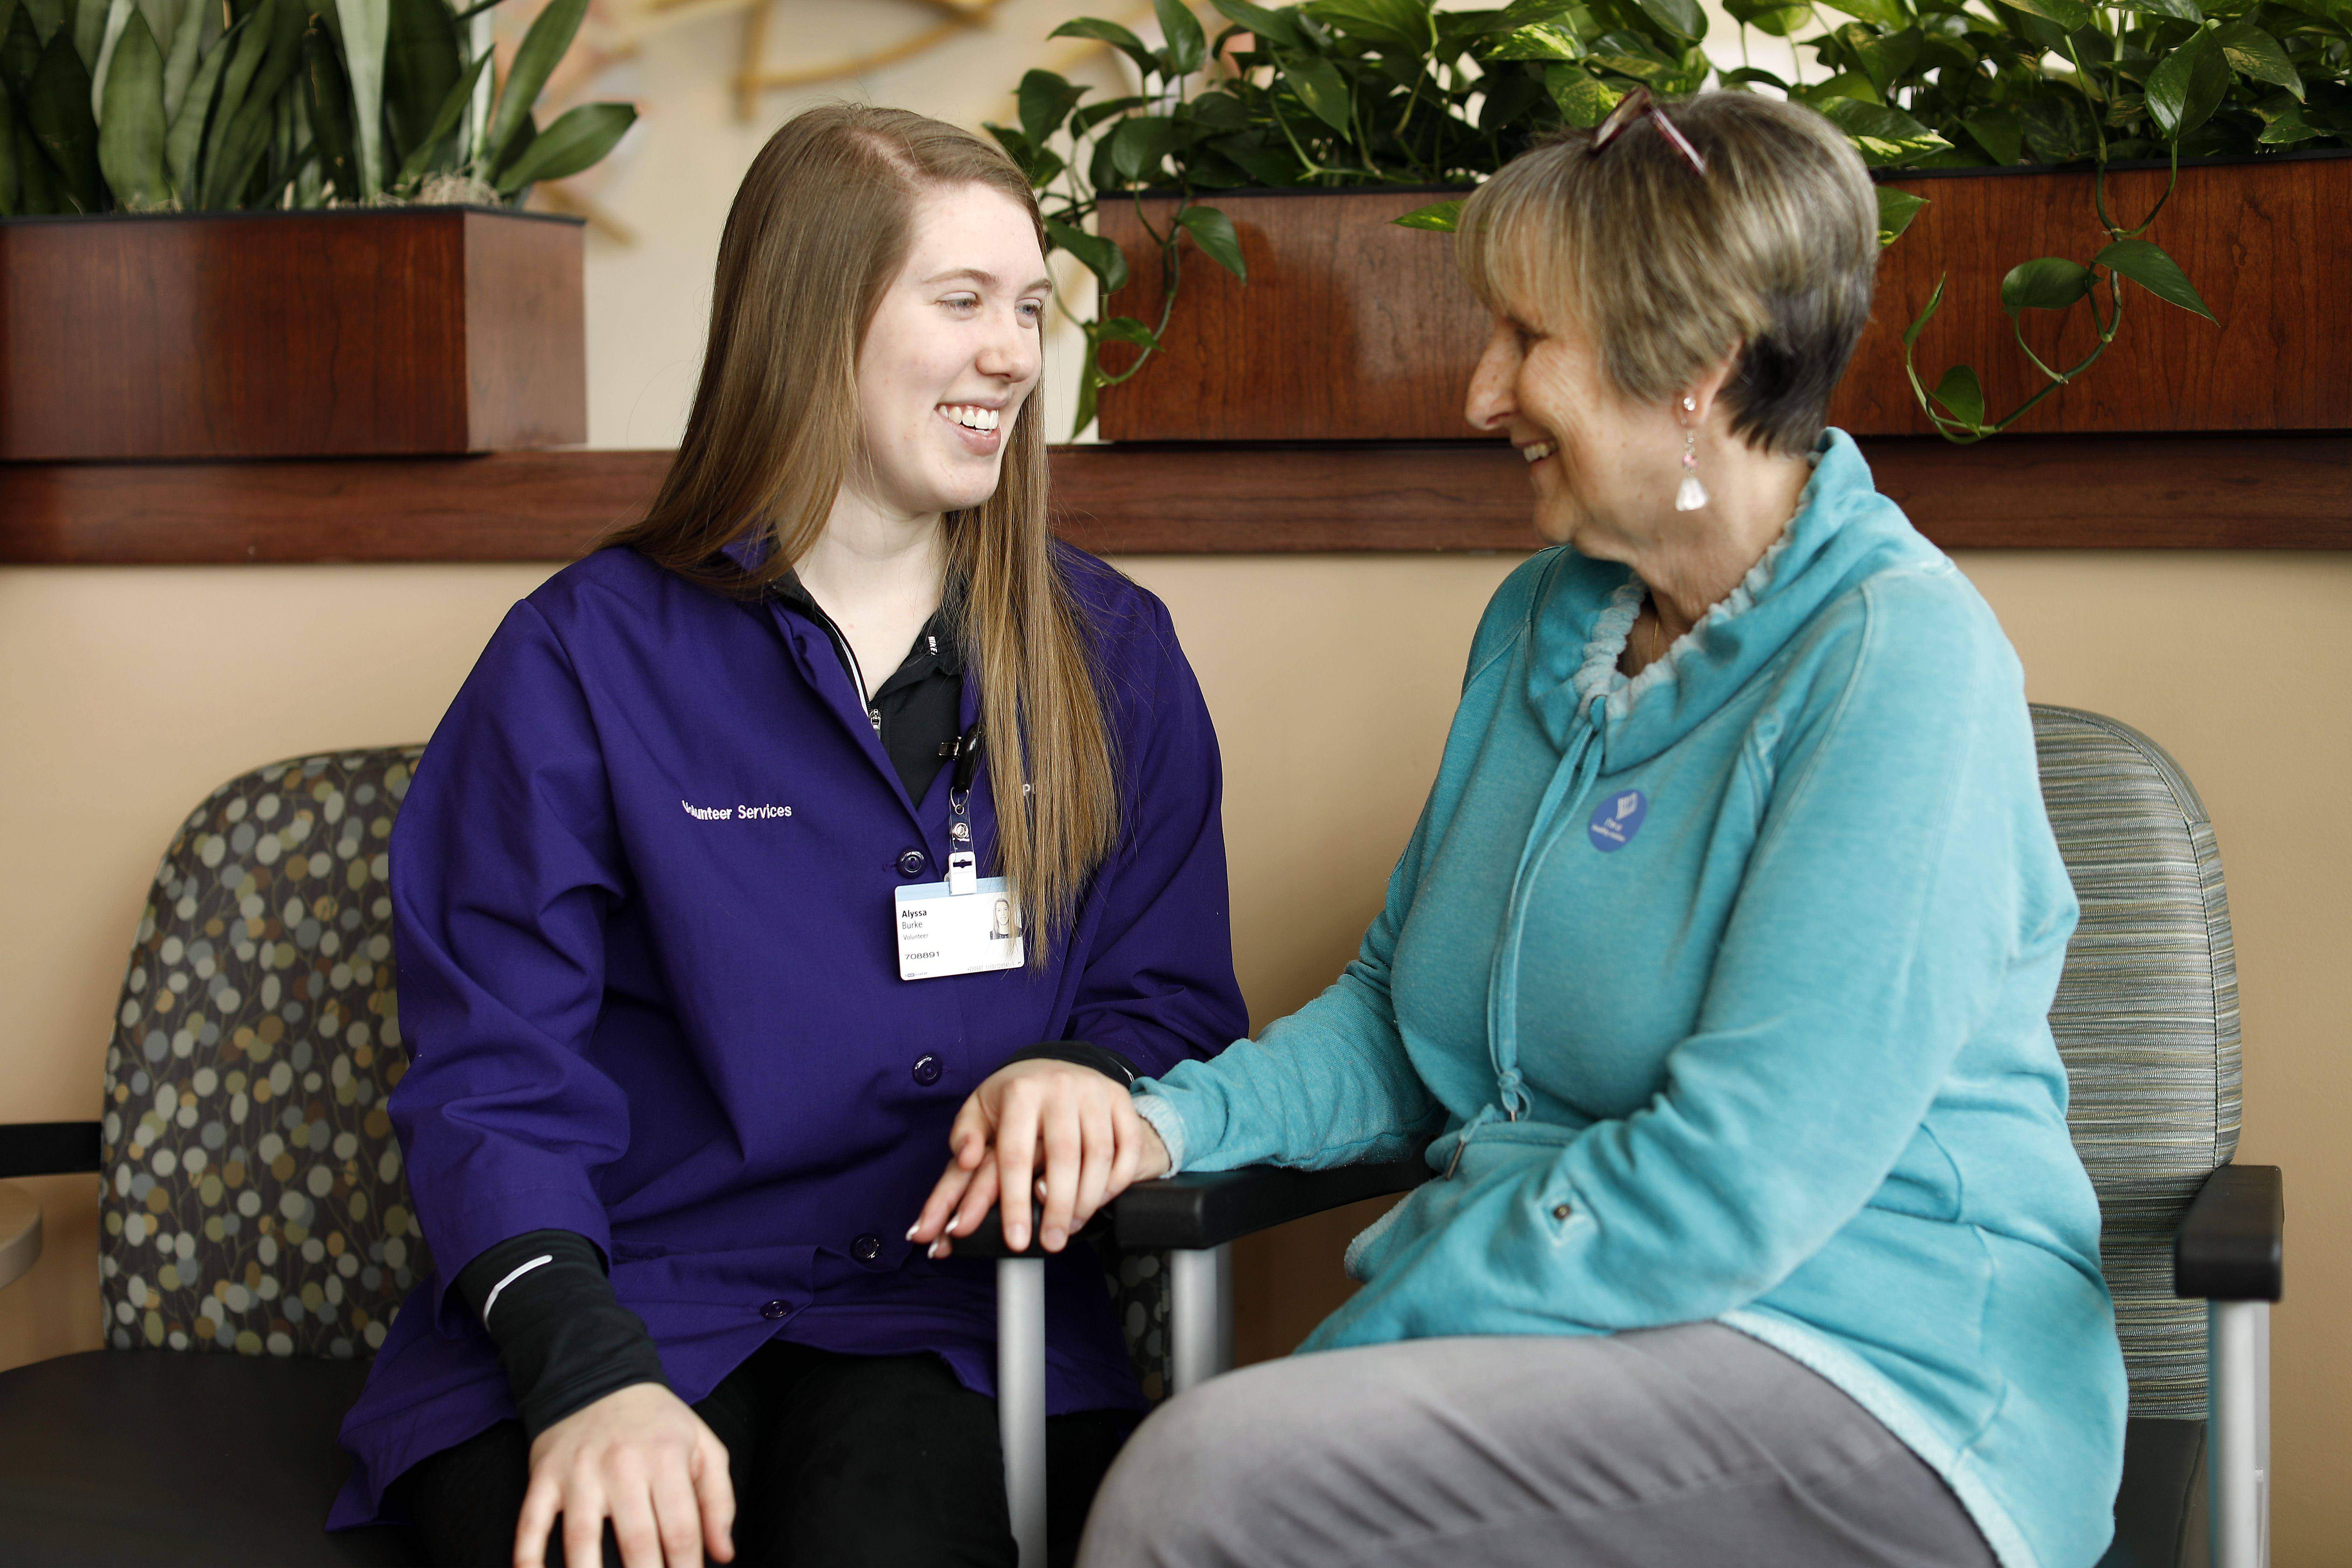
1616, 819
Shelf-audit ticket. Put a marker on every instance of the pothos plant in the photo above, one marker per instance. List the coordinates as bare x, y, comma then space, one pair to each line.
1337, 93
175, 105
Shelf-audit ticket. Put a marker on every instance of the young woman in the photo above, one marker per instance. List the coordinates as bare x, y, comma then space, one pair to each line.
697, 893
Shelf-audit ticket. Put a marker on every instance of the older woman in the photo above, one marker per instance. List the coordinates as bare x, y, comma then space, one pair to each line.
1719, 960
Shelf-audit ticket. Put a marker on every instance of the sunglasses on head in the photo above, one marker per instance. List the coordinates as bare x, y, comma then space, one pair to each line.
1632, 108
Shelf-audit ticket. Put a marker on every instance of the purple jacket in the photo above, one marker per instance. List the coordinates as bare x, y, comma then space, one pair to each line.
637, 1010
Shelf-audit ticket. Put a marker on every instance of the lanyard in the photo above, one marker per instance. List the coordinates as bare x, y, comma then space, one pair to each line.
964, 863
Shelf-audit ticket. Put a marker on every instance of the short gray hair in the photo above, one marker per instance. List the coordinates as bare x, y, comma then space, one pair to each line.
1773, 249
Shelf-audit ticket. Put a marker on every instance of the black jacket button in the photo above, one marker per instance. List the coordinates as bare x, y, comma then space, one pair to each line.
911, 863
775, 1310
866, 1248
927, 1071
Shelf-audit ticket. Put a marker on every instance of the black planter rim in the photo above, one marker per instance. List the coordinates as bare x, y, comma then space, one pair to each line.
2314, 155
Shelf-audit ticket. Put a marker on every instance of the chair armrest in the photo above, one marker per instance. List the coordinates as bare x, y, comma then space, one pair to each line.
1208, 1208
47, 1148
2231, 1243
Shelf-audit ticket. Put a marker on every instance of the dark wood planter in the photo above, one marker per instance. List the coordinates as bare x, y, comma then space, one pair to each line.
325, 334
1352, 328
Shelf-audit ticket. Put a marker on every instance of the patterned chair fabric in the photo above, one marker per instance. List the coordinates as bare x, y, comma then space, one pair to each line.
254, 1199
2147, 1019
253, 1196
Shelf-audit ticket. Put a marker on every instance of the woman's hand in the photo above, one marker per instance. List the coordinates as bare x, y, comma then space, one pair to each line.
642, 1458
1084, 1125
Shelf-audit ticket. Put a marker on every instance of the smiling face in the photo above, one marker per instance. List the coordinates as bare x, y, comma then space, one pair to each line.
1603, 466
952, 352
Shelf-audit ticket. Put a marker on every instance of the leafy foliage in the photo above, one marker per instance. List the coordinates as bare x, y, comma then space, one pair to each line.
167, 105
1338, 93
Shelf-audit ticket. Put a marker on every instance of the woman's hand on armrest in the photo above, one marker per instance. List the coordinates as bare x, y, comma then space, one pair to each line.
1070, 1129
642, 1458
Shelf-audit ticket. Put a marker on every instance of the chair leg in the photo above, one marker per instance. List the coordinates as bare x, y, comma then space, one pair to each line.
1199, 1315
1020, 1399
2238, 1365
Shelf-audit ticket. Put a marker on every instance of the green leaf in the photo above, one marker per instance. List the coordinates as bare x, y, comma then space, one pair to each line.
1777, 21
1111, 32
361, 28
1881, 135
1883, 13
1188, 45
2049, 283
1896, 210
1094, 114
2145, 263
47, 16
2000, 133
1960, 392
247, 114
1444, 217
331, 109
574, 141
1212, 231
421, 58
2284, 122
1682, 18
2186, 87
1542, 41
1139, 147
1321, 87
11, 186
179, 60
419, 161
1046, 101
163, 22
543, 48
2254, 53
2179, 10
20, 53
1272, 26
2067, 14
95, 24
1584, 99
1127, 330
184, 143
130, 136
56, 105
1395, 24
1099, 256
1935, 303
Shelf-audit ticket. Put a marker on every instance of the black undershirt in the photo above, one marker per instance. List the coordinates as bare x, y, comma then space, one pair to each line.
916, 711
563, 1338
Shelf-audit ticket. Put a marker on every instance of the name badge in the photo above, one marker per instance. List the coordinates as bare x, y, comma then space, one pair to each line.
945, 930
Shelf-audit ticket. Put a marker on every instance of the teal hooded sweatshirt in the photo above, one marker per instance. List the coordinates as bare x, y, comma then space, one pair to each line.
1727, 989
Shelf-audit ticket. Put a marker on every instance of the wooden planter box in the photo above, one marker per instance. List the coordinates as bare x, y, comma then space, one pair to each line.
342, 333
1352, 328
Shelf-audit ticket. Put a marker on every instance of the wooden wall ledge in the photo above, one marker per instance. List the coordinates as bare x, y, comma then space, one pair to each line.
2236, 492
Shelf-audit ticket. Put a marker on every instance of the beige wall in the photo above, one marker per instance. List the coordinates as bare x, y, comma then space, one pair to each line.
125, 695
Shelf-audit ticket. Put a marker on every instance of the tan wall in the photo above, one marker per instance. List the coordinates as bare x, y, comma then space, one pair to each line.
125, 695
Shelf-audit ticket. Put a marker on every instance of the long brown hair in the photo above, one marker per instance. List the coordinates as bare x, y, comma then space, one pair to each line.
818, 233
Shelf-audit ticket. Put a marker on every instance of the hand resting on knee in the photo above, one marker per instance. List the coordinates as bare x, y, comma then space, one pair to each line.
642, 1458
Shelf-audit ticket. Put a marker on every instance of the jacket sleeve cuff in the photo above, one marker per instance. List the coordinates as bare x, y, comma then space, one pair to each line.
1080, 1053
1166, 1121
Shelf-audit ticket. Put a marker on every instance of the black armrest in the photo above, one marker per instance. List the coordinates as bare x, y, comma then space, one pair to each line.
1209, 1208
47, 1148
2231, 1243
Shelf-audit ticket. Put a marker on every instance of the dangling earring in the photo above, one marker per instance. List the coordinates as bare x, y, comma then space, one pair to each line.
1690, 495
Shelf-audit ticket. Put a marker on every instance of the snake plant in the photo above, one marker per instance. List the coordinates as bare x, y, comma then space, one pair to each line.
179, 105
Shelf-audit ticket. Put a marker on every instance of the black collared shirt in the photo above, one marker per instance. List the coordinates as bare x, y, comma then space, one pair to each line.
916, 711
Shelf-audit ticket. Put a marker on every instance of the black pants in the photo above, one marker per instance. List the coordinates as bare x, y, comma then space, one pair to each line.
837, 1462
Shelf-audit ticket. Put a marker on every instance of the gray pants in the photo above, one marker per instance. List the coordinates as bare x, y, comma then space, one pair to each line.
1689, 1446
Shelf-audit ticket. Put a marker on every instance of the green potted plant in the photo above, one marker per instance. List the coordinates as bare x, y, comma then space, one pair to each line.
270, 228
2001, 133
